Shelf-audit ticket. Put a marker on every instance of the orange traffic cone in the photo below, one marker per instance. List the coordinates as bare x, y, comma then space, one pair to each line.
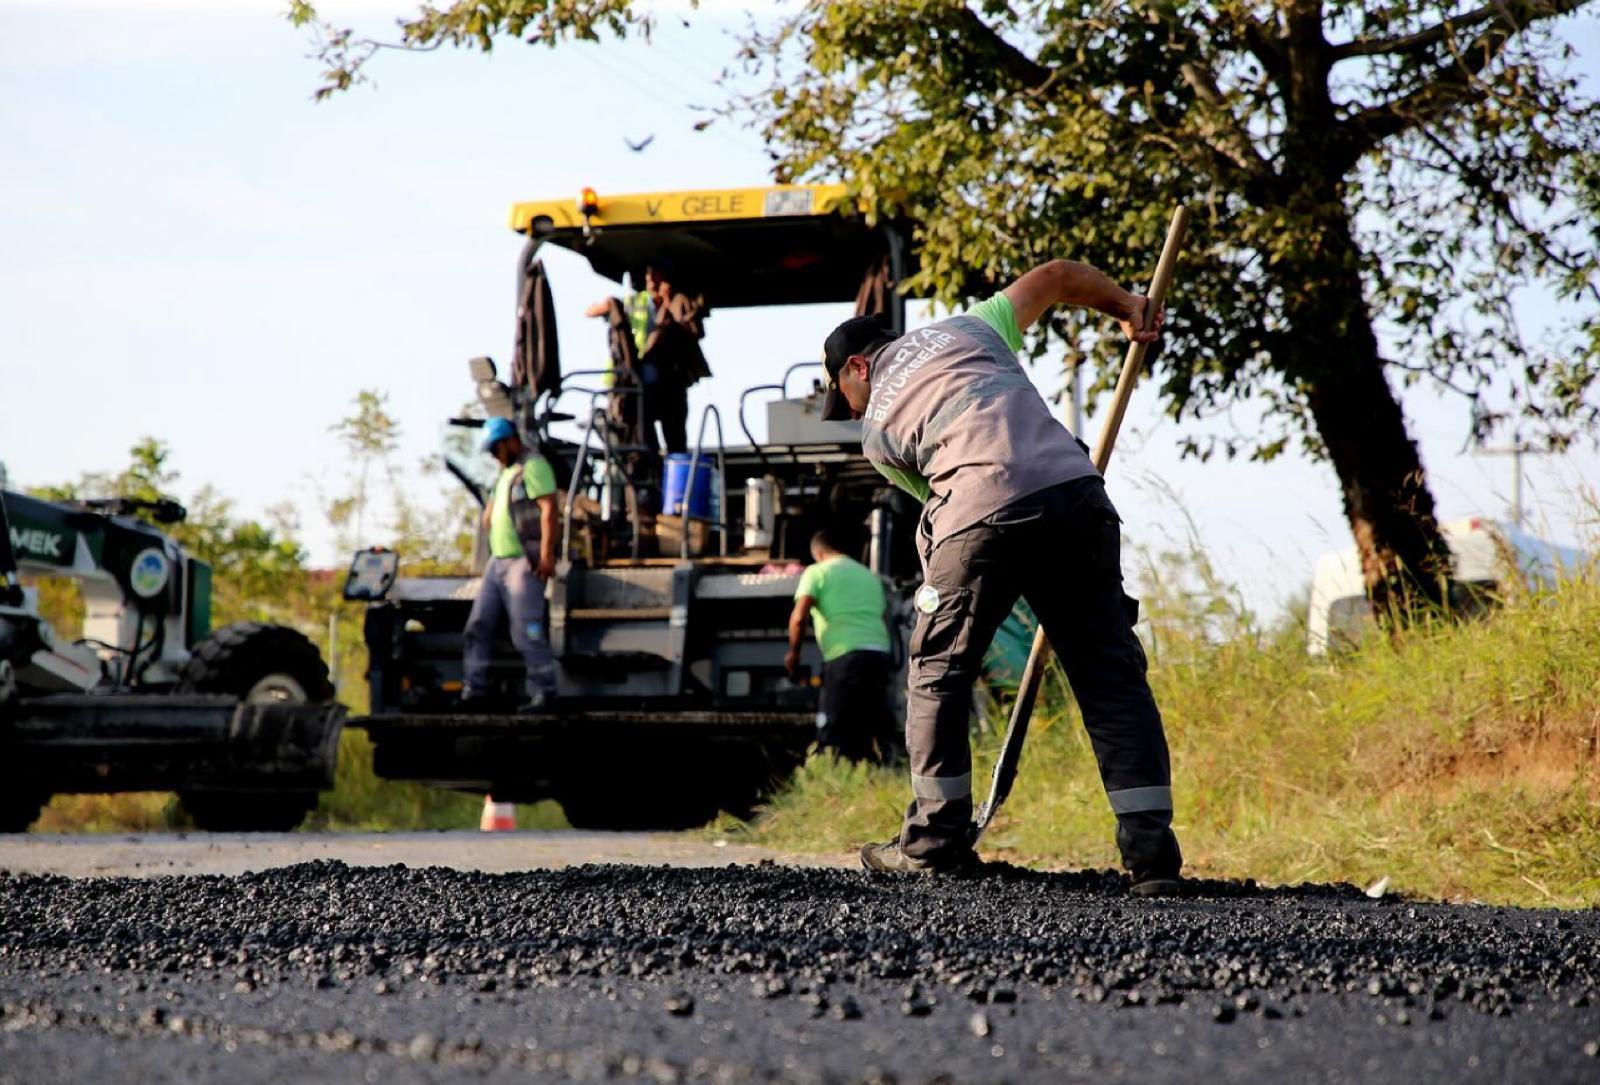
498, 817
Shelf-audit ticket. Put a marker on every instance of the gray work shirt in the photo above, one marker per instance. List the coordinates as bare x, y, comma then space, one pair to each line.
954, 419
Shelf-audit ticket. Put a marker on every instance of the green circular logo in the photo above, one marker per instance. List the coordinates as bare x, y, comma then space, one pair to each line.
149, 573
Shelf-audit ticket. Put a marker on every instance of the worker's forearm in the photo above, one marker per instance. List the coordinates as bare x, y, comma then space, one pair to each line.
549, 529
797, 633
1088, 287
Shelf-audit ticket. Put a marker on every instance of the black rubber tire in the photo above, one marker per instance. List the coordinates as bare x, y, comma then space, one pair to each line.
19, 809
677, 792
604, 810
234, 658
248, 811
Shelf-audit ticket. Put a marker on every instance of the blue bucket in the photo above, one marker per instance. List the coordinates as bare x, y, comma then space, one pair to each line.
676, 482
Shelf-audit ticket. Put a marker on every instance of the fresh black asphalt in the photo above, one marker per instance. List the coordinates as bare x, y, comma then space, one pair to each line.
768, 973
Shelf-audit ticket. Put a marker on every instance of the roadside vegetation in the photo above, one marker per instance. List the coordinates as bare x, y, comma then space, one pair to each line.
1456, 760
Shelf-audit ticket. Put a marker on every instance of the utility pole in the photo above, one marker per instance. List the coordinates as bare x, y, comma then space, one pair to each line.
1516, 451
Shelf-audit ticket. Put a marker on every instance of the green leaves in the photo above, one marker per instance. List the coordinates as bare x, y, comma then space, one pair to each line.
370, 431
472, 24
1017, 132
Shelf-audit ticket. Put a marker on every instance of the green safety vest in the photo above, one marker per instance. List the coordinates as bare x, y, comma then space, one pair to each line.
641, 316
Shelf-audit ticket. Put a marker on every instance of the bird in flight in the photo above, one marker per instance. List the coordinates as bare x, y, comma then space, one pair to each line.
641, 145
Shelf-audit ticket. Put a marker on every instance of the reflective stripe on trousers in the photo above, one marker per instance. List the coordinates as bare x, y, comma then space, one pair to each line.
1139, 800
946, 788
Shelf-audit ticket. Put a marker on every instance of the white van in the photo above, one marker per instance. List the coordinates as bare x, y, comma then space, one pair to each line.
1340, 613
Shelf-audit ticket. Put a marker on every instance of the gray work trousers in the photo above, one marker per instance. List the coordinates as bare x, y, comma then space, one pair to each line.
510, 591
1061, 549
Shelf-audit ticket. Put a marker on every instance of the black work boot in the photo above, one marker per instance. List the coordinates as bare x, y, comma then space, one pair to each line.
1151, 853
476, 704
1148, 884
889, 859
536, 704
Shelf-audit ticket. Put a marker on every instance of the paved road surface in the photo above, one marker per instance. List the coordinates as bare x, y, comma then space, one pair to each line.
767, 973
148, 854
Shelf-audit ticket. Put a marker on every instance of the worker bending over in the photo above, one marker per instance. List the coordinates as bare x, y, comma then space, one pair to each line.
844, 600
523, 524
1012, 506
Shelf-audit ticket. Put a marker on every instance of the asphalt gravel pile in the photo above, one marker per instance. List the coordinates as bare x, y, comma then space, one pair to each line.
804, 974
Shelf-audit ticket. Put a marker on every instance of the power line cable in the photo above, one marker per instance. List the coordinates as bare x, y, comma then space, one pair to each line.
668, 49
654, 94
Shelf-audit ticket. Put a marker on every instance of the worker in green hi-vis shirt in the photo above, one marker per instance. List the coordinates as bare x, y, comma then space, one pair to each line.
523, 523
844, 600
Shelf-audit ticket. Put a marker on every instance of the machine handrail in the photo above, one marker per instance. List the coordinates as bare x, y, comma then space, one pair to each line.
721, 523
761, 455
787, 373
613, 468
553, 395
572, 488
781, 386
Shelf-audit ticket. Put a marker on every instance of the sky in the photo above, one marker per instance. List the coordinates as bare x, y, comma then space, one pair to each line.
191, 249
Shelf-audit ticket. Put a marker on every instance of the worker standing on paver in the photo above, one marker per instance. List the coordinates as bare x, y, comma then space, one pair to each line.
664, 325
1012, 506
844, 600
523, 523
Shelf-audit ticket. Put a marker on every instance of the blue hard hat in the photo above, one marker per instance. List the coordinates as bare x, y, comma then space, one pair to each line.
496, 429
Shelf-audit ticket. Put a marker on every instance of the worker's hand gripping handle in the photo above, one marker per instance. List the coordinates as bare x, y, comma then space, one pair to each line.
1005, 769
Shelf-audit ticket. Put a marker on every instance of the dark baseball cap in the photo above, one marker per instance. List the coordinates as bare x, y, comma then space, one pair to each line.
858, 335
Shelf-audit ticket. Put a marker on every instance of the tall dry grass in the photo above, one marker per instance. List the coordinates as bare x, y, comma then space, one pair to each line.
1457, 759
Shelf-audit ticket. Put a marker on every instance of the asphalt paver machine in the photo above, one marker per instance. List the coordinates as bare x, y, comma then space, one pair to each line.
668, 621
240, 721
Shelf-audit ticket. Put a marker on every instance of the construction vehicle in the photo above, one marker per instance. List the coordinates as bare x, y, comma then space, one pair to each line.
667, 615
239, 721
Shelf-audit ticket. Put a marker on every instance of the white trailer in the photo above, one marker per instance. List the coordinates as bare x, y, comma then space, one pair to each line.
1485, 552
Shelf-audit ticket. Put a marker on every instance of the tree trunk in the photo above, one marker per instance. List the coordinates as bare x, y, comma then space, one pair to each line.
1333, 354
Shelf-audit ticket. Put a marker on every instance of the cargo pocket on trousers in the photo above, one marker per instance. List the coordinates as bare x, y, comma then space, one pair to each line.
943, 628
1130, 608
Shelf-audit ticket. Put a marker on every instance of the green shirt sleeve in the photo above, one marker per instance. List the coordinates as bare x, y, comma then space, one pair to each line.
538, 477
913, 484
997, 312
810, 582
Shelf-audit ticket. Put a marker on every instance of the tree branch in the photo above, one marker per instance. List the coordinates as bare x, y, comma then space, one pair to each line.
1451, 81
1265, 46
1218, 124
1412, 43
1016, 64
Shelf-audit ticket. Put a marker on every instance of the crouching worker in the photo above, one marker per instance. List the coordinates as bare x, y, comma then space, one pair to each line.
523, 524
1012, 506
844, 600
